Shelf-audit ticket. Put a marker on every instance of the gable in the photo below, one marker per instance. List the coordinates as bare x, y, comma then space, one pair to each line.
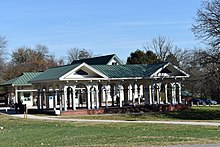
54, 73
111, 59
114, 61
169, 71
83, 72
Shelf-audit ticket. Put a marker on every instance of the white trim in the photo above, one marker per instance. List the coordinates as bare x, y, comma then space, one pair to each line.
117, 59
155, 74
62, 78
85, 79
166, 77
26, 90
187, 75
128, 78
110, 60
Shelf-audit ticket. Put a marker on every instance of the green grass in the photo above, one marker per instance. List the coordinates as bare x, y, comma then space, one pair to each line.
197, 113
21, 132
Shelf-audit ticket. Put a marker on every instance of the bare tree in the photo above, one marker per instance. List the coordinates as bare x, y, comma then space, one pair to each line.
207, 28
182, 56
165, 51
3, 44
207, 23
161, 46
77, 53
26, 59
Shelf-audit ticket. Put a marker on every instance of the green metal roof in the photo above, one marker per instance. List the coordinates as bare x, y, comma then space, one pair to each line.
111, 71
21, 80
54, 73
101, 60
129, 70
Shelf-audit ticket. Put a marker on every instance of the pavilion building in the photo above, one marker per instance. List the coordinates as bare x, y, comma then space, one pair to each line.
106, 82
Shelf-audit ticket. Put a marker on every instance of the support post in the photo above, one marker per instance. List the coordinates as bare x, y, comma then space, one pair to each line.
16, 95
180, 94
65, 98
92, 97
73, 98
88, 98
139, 95
152, 92
173, 93
166, 94
97, 97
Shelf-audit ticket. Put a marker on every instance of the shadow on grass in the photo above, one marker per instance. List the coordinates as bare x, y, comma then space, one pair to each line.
202, 113
196, 113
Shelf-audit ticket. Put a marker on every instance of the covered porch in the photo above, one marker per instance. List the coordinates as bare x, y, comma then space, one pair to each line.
92, 89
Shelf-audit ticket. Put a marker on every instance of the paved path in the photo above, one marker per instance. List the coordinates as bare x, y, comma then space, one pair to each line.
57, 118
194, 145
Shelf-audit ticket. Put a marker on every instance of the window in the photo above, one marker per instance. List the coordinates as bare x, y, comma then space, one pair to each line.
114, 63
165, 70
27, 96
81, 72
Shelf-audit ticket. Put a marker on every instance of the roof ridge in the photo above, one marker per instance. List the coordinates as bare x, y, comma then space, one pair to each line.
33, 72
95, 57
64, 65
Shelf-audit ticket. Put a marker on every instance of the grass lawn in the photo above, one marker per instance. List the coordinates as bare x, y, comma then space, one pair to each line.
21, 132
197, 113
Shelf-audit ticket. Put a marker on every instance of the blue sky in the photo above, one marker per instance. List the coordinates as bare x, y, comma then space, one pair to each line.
102, 26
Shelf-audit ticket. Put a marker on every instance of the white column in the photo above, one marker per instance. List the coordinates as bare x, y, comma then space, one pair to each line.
166, 94
97, 97
150, 95
139, 95
106, 98
112, 91
103, 95
16, 95
173, 93
180, 94
74, 98
88, 98
106, 95
54, 99
129, 93
92, 98
65, 97
61, 101
158, 93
